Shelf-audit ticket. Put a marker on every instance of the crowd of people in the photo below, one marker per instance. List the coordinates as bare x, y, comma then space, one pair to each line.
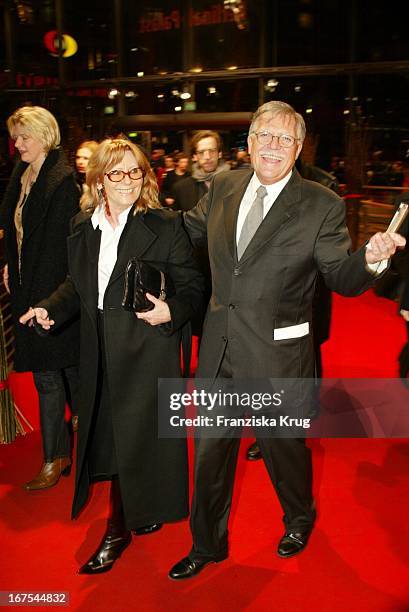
244, 241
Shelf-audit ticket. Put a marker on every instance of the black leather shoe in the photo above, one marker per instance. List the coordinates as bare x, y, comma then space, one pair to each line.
187, 568
253, 452
148, 529
293, 542
110, 549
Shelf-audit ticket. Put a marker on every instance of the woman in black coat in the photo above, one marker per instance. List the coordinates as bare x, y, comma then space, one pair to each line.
123, 354
40, 200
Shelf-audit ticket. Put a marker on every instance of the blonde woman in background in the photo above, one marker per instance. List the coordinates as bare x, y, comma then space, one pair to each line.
82, 157
40, 200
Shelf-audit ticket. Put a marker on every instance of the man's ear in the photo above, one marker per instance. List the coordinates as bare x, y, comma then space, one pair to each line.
249, 144
299, 148
194, 157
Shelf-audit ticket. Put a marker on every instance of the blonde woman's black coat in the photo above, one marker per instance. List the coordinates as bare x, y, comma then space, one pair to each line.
51, 204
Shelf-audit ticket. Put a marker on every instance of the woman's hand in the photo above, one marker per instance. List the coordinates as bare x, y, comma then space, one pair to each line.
405, 314
40, 315
159, 315
6, 278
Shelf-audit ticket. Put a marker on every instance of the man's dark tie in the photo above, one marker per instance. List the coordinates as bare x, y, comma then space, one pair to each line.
252, 221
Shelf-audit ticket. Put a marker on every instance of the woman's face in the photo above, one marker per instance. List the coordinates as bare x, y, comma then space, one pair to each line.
31, 149
125, 192
183, 163
82, 158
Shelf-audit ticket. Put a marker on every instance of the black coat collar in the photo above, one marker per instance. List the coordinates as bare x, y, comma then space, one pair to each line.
52, 173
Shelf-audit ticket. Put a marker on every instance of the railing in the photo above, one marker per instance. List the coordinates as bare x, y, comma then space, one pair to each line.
370, 211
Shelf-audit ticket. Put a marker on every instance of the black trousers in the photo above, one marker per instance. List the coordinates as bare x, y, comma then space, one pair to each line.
288, 462
53, 388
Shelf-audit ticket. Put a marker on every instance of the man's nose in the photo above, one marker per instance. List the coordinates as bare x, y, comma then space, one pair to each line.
274, 144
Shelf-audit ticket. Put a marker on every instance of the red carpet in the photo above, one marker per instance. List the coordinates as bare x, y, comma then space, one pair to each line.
358, 556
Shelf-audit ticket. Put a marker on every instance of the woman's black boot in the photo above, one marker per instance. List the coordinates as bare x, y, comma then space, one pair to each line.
116, 538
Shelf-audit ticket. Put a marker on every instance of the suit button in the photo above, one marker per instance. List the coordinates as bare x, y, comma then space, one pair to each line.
232, 306
236, 272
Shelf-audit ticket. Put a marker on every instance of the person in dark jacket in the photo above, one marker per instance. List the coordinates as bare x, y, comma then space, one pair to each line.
173, 177
40, 200
206, 147
269, 233
404, 300
322, 300
123, 355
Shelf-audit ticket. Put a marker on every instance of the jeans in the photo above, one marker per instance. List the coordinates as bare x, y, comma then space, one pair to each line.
52, 387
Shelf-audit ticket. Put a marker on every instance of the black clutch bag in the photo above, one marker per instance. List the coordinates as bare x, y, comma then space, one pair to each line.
141, 278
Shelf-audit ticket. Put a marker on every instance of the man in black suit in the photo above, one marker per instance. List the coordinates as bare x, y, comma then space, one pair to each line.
322, 301
269, 232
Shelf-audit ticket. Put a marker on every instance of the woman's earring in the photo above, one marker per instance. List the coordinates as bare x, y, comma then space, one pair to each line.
103, 199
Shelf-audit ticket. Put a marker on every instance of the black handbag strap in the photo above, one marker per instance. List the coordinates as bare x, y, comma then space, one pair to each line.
186, 348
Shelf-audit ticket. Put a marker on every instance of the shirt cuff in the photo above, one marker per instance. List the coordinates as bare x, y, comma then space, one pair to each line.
378, 268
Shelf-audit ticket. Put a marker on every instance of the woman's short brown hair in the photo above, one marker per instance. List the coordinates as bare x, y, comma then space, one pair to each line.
109, 153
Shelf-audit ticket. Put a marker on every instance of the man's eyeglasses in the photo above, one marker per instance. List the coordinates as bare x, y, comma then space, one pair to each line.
116, 176
209, 151
284, 140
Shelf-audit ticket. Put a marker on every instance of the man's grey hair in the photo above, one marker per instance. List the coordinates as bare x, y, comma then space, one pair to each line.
276, 107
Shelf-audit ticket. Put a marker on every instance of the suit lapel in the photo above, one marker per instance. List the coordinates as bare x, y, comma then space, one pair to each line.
231, 205
284, 208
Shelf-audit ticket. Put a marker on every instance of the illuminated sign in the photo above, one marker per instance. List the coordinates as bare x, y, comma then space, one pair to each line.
216, 14
69, 44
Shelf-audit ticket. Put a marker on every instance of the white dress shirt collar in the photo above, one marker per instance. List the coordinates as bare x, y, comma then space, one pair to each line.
273, 191
100, 220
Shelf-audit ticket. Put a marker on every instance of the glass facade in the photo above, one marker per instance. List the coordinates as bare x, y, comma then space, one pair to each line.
184, 58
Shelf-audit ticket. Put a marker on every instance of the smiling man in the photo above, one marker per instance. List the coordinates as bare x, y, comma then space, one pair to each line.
269, 232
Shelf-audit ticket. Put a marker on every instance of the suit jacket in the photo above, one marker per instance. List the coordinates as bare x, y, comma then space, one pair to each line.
153, 471
405, 296
255, 300
187, 193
